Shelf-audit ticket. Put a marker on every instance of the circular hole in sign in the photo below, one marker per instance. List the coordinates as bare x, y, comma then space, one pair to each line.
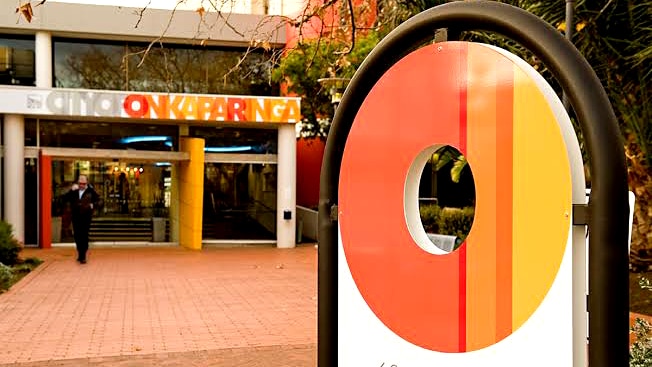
440, 199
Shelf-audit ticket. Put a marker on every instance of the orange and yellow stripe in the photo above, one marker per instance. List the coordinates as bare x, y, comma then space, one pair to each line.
471, 97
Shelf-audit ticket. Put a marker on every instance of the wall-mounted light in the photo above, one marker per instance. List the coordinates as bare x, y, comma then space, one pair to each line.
234, 149
141, 139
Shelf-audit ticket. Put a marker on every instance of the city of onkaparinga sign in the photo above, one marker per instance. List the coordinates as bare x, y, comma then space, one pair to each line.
140, 105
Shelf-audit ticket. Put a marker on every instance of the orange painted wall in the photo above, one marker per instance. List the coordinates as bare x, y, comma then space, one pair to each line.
45, 202
309, 156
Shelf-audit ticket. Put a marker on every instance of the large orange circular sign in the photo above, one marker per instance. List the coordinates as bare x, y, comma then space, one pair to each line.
474, 98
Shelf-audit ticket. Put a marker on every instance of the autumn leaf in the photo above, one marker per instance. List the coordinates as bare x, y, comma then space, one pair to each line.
26, 11
578, 27
201, 11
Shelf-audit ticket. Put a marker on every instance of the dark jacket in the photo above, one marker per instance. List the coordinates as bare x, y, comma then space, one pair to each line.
84, 206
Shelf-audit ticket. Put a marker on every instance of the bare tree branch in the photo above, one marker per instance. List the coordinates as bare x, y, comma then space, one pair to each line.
160, 38
306, 17
142, 11
220, 14
346, 52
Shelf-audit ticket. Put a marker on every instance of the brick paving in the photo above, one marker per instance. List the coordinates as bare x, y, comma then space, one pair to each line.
163, 306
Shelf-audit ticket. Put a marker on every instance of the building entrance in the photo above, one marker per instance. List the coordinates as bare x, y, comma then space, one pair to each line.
239, 201
135, 199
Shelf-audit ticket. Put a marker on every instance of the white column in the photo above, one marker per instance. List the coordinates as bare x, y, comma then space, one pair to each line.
14, 174
286, 186
43, 59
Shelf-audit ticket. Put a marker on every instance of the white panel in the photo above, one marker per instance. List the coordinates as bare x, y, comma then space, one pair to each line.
118, 22
138, 155
14, 174
286, 183
363, 340
43, 57
240, 158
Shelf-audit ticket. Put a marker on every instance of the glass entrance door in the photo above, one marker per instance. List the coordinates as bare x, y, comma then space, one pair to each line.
239, 201
132, 195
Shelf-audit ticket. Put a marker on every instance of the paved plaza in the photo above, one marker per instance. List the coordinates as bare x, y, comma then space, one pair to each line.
163, 306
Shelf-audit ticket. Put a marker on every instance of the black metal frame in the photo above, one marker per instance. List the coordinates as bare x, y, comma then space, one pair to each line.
608, 303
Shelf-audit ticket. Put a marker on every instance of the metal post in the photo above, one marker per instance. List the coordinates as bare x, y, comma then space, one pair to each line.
570, 27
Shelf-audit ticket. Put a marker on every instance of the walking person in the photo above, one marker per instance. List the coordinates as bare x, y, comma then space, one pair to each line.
83, 201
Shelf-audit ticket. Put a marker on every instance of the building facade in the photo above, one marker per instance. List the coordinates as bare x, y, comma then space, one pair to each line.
169, 113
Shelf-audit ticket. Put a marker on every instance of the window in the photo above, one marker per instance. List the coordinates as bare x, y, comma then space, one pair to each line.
237, 140
163, 68
102, 135
17, 60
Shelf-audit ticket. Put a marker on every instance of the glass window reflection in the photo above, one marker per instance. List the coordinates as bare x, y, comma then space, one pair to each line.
237, 140
17, 60
102, 135
162, 68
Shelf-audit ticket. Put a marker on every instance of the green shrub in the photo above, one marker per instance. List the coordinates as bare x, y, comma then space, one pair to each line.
9, 246
21, 270
456, 221
34, 261
429, 218
640, 352
447, 221
6, 277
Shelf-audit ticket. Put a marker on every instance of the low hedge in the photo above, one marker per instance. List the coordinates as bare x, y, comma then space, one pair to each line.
9, 245
12, 267
447, 221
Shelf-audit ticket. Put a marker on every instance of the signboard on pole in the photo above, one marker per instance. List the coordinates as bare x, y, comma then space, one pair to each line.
507, 292
515, 291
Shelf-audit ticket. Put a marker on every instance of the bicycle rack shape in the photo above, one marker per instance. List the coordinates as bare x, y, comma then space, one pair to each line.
514, 292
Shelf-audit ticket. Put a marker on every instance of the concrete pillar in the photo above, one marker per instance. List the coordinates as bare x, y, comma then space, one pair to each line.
14, 175
174, 192
43, 59
286, 187
191, 193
